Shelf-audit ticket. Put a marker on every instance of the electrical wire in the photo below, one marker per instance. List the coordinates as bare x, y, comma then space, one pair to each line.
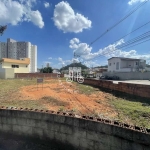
137, 44
129, 32
133, 41
121, 20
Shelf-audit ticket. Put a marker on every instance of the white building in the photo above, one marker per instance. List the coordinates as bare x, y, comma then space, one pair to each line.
17, 50
121, 64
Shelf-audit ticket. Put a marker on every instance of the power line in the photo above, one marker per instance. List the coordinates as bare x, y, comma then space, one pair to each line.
137, 44
132, 31
145, 35
139, 38
128, 33
124, 48
119, 21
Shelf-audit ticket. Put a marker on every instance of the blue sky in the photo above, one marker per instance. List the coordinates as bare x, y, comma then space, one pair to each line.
60, 28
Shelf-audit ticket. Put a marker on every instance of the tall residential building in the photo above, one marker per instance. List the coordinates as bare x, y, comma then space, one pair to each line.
3, 50
18, 50
47, 65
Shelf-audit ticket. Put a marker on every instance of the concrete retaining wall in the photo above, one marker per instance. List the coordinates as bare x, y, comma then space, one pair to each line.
83, 133
129, 75
134, 89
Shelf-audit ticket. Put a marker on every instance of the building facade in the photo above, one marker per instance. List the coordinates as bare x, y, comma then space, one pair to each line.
121, 64
8, 67
17, 50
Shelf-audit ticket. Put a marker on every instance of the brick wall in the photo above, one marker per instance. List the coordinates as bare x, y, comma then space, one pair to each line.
37, 75
80, 132
135, 89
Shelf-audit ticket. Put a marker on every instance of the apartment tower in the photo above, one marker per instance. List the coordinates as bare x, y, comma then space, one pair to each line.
18, 50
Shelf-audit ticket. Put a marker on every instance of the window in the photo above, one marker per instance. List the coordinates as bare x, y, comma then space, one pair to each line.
109, 64
136, 63
117, 66
15, 66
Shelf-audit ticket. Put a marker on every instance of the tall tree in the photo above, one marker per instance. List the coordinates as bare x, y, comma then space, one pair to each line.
46, 70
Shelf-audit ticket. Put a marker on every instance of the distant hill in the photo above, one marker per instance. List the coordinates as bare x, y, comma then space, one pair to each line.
74, 65
106, 66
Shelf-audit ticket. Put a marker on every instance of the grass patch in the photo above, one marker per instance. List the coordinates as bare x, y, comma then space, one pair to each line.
54, 101
24, 103
85, 89
138, 113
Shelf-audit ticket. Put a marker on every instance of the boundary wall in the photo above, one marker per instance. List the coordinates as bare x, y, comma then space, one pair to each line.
129, 75
130, 88
37, 75
80, 132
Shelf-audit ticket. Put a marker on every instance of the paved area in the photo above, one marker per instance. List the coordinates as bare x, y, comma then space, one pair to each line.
145, 82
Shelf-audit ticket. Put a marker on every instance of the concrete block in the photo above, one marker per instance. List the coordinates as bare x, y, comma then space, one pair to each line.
4, 120
59, 119
35, 115
141, 138
17, 129
101, 146
68, 120
91, 135
126, 145
30, 122
37, 132
40, 124
117, 131
48, 117
7, 128
1, 127
83, 124
13, 120
57, 136
127, 134
86, 143
136, 146
66, 129
75, 122
73, 141
49, 134
115, 142
105, 128
78, 133
27, 130
53, 127
21, 121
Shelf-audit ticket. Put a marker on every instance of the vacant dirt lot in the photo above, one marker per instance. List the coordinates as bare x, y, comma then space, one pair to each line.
63, 96
59, 95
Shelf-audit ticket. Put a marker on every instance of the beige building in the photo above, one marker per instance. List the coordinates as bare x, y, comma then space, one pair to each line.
15, 50
8, 67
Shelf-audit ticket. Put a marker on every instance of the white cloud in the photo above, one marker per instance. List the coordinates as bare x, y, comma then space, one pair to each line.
15, 12
67, 20
64, 62
50, 58
131, 2
36, 18
46, 4
84, 51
